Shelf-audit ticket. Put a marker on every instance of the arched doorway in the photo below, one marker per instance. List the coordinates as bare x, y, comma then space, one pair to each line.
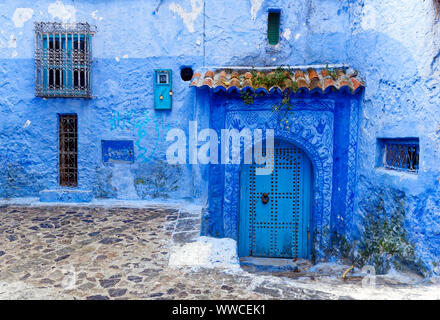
275, 209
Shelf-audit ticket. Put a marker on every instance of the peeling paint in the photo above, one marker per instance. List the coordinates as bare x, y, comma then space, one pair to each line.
12, 43
66, 13
255, 7
368, 21
21, 15
287, 34
94, 15
188, 17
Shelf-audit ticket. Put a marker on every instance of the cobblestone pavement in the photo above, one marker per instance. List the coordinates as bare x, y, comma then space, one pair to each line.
75, 252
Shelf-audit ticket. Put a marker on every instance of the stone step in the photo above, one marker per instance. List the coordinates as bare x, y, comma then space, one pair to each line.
258, 264
66, 195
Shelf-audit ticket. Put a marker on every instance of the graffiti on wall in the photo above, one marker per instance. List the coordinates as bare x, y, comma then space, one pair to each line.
148, 127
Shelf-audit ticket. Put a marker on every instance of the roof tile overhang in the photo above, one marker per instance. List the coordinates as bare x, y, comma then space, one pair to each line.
310, 80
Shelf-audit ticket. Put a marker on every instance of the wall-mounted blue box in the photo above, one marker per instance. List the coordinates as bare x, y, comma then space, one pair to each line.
163, 91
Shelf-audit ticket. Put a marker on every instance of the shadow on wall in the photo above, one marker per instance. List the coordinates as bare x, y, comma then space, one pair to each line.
157, 180
103, 187
154, 180
384, 241
18, 176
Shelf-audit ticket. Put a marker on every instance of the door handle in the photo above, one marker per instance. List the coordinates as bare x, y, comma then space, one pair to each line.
265, 198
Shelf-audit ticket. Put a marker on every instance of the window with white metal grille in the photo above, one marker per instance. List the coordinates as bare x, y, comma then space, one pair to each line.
63, 59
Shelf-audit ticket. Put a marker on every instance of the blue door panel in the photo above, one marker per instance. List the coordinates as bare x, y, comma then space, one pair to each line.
280, 227
284, 236
262, 247
285, 211
262, 183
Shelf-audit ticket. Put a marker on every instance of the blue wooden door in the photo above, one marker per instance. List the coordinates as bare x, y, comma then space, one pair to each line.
275, 209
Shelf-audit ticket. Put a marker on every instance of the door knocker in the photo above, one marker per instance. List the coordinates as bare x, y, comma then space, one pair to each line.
265, 198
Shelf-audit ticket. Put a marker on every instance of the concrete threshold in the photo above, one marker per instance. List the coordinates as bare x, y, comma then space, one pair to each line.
260, 264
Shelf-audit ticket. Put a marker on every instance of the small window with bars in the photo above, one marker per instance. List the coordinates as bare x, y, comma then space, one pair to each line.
63, 59
273, 26
68, 150
400, 154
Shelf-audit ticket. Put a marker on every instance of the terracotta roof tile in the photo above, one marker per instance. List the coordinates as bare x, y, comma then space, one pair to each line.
312, 74
197, 75
325, 73
356, 83
234, 82
207, 82
329, 83
209, 74
309, 80
299, 74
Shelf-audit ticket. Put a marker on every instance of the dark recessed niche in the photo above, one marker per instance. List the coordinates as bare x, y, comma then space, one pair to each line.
398, 154
186, 73
273, 26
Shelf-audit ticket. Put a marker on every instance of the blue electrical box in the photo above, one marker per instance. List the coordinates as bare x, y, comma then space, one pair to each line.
163, 91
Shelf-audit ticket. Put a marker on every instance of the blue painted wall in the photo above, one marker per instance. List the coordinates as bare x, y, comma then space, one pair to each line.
133, 39
394, 45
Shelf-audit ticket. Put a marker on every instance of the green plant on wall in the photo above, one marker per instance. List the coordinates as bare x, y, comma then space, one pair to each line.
280, 77
384, 242
341, 247
332, 72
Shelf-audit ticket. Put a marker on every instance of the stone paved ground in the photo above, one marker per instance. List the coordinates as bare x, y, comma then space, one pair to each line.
76, 252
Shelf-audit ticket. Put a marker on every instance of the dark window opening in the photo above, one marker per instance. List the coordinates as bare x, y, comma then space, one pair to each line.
55, 78
79, 43
68, 150
79, 79
55, 43
186, 73
400, 154
273, 27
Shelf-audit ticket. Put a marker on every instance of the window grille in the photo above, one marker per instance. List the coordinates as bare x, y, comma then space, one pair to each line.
400, 154
63, 59
68, 150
